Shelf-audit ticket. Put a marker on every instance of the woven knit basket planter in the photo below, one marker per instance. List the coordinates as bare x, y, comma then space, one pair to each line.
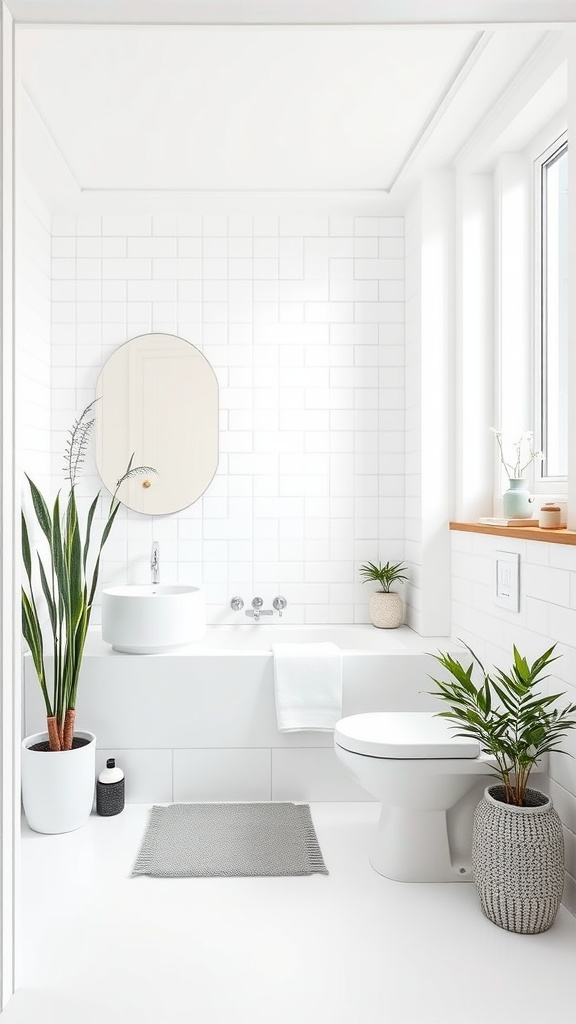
518, 861
386, 610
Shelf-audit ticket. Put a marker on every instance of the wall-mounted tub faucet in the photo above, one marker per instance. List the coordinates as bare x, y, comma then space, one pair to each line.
257, 610
155, 562
279, 604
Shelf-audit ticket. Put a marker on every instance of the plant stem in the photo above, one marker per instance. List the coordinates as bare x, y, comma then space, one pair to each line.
53, 733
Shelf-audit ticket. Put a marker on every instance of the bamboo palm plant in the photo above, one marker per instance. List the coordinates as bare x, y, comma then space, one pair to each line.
68, 585
385, 575
506, 715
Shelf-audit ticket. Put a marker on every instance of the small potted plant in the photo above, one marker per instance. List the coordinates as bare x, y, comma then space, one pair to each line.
517, 500
386, 607
517, 843
58, 766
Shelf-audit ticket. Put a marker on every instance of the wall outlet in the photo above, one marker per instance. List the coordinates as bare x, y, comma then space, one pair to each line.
508, 580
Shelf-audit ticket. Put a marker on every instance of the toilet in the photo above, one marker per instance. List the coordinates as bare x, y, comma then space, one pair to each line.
428, 782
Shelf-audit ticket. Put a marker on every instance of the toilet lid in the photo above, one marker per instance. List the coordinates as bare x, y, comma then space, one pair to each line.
402, 735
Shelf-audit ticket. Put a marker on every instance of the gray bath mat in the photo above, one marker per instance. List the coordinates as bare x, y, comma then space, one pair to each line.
183, 840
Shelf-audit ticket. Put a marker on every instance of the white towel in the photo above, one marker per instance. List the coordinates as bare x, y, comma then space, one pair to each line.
308, 685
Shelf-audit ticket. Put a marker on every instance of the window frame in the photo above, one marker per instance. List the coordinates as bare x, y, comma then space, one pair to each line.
543, 483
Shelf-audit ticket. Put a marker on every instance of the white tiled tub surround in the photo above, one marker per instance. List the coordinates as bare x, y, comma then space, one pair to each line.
302, 318
200, 723
547, 615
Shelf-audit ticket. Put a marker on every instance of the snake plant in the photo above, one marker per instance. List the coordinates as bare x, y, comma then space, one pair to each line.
67, 585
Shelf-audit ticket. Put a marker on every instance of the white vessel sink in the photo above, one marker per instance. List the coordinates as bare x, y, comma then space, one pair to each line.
152, 619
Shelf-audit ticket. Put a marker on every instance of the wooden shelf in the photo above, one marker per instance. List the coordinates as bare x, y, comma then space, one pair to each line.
523, 533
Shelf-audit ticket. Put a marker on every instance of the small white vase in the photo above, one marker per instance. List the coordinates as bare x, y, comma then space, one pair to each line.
58, 786
386, 610
517, 500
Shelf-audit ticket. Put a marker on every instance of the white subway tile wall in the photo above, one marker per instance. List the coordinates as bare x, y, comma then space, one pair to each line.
302, 319
547, 615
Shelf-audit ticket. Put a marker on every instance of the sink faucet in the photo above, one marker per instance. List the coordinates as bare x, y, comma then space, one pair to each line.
155, 562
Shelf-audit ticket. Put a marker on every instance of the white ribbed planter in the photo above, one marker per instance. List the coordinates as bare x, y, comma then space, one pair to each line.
58, 786
518, 861
386, 610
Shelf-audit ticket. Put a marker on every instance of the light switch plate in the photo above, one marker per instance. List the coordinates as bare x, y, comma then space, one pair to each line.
508, 580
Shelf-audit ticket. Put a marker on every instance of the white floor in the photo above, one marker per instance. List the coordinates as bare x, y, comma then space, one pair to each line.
348, 948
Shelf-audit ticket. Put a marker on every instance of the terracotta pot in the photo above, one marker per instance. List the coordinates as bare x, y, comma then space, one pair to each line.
518, 861
386, 610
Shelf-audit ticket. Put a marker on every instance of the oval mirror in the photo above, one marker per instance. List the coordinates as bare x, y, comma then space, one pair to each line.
159, 402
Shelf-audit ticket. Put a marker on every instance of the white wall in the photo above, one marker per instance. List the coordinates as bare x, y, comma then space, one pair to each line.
547, 616
302, 319
33, 327
413, 420
429, 401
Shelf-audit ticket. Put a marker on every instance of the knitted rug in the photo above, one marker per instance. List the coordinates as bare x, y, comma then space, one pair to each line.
183, 840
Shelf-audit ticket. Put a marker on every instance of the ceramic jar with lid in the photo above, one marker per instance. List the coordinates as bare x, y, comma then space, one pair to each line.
549, 517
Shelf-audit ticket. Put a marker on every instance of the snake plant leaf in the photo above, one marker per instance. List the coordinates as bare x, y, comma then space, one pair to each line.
58, 558
48, 595
109, 524
41, 510
91, 512
74, 561
26, 554
33, 636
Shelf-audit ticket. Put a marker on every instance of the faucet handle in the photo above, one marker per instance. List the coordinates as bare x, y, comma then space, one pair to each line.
257, 602
236, 604
279, 603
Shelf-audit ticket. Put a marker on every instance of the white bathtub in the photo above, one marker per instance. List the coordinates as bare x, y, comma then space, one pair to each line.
200, 723
259, 638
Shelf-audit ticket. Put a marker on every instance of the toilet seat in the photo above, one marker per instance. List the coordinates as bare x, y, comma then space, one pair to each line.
403, 735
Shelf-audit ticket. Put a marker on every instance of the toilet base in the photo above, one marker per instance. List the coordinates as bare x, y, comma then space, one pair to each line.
414, 847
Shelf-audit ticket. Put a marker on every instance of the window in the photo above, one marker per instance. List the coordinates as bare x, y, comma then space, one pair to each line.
552, 312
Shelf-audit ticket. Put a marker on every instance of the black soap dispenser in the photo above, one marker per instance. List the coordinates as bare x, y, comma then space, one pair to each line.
110, 790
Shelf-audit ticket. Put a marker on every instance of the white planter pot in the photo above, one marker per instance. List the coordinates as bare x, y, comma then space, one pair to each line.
58, 786
386, 610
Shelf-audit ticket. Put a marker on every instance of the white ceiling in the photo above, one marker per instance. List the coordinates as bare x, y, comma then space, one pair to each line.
162, 114
239, 108
295, 12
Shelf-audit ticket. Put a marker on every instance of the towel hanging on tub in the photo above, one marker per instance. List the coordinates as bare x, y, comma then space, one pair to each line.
308, 686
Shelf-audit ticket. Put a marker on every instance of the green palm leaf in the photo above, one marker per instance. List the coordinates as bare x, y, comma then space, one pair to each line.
506, 714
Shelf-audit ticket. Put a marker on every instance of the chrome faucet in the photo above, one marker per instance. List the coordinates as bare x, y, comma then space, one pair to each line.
278, 604
257, 610
155, 562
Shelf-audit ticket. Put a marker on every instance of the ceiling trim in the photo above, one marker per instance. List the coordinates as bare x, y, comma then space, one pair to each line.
294, 12
49, 135
305, 193
529, 79
332, 203
474, 52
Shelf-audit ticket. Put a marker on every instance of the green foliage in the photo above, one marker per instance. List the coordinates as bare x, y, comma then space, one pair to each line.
67, 586
385, 575
506, 715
